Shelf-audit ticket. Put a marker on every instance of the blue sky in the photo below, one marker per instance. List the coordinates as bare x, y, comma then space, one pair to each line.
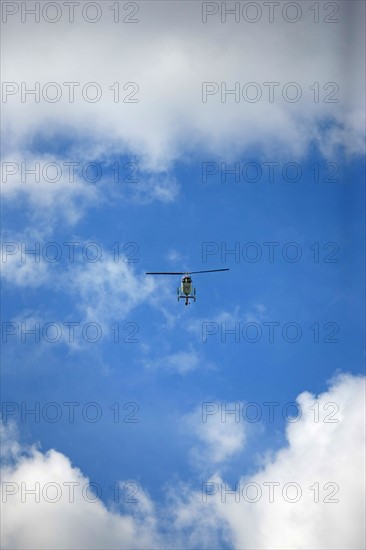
167, 221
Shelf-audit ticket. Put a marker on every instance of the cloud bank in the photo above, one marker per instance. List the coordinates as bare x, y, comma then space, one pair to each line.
166, 113
309, 494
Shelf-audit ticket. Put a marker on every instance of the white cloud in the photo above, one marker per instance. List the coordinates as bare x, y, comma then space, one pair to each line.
322, 453
170, 120
150, 187
53, 193
105, 293
317, 452
106, 290
25, 273
175, 257
220, 436
182, 362
203, 327
58, 189
71, 521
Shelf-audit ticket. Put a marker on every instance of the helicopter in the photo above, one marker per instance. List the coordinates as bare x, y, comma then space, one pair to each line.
186, 289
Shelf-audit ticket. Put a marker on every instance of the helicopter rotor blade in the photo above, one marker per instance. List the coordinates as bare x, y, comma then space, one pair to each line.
183, 272
210, 270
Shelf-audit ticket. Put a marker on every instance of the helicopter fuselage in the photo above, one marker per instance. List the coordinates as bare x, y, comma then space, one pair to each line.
186, 285
186, 289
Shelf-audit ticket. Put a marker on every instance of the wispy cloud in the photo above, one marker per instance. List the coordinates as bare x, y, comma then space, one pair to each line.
218, 438
181, 362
